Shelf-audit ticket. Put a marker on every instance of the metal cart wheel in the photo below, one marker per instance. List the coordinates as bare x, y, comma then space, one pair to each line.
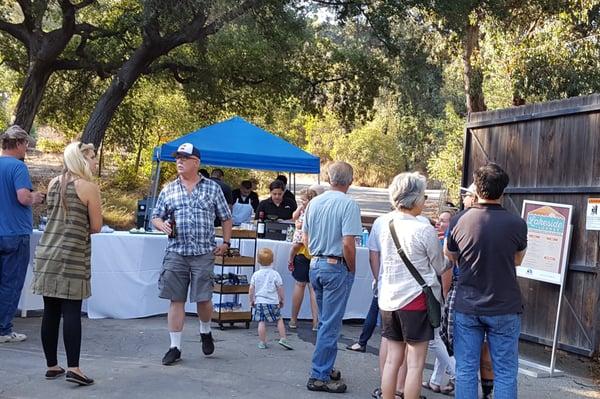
247, 325
221, 327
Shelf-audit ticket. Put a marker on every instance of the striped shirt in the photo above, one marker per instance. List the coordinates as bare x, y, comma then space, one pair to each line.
194, 215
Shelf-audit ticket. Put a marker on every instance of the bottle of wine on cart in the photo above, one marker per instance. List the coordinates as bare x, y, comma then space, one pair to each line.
260, 225
172, 223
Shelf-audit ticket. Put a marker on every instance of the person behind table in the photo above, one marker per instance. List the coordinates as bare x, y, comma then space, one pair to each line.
266, 297
287, 193
217, 176
245, 196
189, 259
16, 225
331, 223
276, 206
299, 264
401, 299
62, 266
488, 242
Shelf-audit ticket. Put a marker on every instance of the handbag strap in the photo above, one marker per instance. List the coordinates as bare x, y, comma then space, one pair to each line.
411, 268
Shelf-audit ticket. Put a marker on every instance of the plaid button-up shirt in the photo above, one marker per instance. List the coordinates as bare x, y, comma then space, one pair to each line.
194, 215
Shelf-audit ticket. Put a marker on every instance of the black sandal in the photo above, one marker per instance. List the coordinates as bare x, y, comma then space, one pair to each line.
53, 374
82, 380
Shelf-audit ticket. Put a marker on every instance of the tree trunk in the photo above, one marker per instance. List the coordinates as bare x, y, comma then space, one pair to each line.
31, 94
473, 74
139, 151
108, 103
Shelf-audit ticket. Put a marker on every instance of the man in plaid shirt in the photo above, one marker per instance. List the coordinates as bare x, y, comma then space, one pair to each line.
189, 260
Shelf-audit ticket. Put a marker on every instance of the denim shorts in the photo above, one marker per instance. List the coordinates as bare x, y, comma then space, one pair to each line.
182, 272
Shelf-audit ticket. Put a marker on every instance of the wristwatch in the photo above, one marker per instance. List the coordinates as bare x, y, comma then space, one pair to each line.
227, 243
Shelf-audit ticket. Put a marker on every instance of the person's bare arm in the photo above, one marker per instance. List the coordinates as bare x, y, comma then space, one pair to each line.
227, 227
349, 251
281, 296
374, 259
251, 297
519, 257
27, 197
89, 193
446, 282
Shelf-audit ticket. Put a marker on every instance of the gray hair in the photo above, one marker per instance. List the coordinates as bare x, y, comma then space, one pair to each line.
340, 174
407, 190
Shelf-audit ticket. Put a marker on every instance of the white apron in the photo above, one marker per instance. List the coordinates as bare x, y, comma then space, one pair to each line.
241, 213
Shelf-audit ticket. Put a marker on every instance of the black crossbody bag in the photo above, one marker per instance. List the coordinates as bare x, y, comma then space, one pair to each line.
434, 311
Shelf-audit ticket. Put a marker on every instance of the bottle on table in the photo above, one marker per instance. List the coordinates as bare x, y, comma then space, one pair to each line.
172, 223
43, 222
365, 237
260, 225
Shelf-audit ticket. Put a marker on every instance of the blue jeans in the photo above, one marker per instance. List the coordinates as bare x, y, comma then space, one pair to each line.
370, 322
14, 259
503, 339
332, 284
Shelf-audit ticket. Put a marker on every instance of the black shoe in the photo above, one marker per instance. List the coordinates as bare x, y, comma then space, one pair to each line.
335, 375
53, 374
173, 355
208, 346
75, 378
325, 386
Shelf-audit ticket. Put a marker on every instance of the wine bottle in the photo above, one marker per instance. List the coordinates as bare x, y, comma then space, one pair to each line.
260, 225
173, 224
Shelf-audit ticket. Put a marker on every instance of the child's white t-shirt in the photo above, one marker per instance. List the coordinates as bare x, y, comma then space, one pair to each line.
265, 282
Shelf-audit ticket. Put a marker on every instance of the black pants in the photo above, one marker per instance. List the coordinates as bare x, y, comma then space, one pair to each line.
70, 310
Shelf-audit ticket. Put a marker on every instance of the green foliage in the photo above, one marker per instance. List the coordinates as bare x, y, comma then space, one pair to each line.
446, 165
51, 146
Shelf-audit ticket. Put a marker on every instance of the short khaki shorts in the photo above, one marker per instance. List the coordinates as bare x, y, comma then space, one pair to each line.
182, 272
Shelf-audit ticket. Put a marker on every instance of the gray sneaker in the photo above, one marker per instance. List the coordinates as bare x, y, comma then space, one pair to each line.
13, 337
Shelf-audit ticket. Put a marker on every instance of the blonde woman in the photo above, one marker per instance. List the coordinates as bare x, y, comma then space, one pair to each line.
62, 258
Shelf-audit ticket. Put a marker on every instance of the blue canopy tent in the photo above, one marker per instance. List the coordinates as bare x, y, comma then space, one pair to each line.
236, 143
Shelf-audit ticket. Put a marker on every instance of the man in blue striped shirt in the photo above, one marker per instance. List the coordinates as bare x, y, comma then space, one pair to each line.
193, 201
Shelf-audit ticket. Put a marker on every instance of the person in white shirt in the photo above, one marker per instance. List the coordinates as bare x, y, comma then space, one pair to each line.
401, 299
266, 297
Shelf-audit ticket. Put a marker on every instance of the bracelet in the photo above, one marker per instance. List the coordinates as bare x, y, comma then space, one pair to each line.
227, 243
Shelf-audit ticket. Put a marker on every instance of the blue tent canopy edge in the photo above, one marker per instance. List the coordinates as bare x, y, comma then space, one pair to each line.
236, 143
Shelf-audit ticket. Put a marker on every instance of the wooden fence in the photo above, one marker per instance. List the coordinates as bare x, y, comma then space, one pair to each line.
551, 152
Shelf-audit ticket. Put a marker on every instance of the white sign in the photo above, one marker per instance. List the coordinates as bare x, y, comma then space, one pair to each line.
592, 215
548, 240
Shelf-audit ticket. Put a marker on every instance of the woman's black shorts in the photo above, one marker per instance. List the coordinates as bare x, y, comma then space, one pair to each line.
301, 268
406, 325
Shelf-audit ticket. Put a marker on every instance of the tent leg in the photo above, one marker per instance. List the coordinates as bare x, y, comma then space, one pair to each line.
155, 183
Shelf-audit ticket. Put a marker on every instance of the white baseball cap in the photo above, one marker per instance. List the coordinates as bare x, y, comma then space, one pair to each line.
187, 149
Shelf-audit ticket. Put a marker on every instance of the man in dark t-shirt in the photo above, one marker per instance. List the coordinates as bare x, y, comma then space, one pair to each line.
487, 242
217, 176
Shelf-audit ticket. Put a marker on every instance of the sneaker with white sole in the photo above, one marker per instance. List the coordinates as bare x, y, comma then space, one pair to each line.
13, 337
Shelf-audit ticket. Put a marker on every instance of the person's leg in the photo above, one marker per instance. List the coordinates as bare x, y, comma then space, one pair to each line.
314, 310
415, 362
444, 363
402, 371
335, 282
503, 339
370, 323
486, 371
49, 330
72, 332
201, 290
281, 329
393, 360
297, 298
383, 349
14, 259
468, 338
205, 311
262, 331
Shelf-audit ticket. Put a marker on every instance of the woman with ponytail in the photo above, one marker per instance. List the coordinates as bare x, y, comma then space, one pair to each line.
62, 258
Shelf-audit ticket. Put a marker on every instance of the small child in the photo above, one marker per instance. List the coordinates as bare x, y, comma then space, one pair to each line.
306, 194
266, 297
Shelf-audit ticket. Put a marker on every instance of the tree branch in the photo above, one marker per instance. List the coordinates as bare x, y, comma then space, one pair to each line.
229, 16
18, 31
175, 70
83, 4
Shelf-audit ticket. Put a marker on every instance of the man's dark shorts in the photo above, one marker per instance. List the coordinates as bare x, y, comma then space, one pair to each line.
180, 272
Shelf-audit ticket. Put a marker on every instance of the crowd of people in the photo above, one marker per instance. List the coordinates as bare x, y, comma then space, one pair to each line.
464, 263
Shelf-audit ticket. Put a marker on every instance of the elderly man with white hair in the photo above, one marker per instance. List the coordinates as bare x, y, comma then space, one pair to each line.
331, 222
401, 299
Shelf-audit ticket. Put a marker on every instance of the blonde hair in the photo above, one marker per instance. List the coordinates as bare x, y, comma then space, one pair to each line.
307, 193
265, 257
75, 164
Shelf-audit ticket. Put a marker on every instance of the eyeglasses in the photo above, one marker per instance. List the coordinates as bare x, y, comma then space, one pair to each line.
182, 157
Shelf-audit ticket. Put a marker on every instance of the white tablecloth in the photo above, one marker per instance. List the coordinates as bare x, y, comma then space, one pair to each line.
125, 269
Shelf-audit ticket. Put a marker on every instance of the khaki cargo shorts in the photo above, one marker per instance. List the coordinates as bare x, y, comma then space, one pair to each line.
182, 272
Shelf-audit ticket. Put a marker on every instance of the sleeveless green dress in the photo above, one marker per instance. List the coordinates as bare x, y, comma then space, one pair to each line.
62, 257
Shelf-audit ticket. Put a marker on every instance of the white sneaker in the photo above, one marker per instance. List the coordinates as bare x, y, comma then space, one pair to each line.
13, 337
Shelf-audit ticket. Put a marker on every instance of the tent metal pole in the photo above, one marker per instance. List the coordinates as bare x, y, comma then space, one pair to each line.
152, 199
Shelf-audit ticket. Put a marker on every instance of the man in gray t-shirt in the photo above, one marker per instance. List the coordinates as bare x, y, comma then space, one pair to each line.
488, 242
332, 220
